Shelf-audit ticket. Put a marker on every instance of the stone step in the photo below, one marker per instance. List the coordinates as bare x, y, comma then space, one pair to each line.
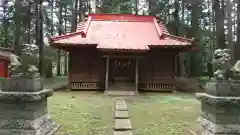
121, 115
120, 93
122, 125
120, 98
120, 102
121, 107
123, 133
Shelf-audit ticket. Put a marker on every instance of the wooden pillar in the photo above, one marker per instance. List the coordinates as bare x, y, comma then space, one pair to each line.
107, 72
136, 75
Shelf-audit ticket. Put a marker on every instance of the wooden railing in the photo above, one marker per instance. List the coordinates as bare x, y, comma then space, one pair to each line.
85, 85
164, 85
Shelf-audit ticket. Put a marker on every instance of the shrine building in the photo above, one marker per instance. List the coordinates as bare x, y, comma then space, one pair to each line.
109, 50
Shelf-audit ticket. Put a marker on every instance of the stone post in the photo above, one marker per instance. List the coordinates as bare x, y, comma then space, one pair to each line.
220, 108
23, 108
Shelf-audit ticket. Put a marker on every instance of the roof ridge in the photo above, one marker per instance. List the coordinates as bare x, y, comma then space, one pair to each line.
83, 31
178, 37
86, 26
56, 38
159, 32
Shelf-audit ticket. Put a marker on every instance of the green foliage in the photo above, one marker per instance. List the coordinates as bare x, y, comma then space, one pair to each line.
196, 63
116, 6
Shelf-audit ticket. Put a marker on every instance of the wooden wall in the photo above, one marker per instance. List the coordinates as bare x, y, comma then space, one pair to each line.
157, 65
157, 71
86, 65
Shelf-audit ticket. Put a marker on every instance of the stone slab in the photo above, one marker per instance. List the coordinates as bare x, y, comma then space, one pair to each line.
29, 106
218, 101
22, 114
122, 124
120, 102
120, 98
223, 88
226, 129
54, 130
121, 107
6, 96
22, 84
48, 128
115, 93
123, 133
121, 115
25, 124
221, 118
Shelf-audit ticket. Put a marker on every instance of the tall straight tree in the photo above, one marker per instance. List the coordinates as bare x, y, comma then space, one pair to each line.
237, 46
194, 32
65, 31
5, 23
182, 58
39, 36
81, 10
219, 19
230, 44
29, 22
74, 16
177, 23
52, 25
60, 32
17, 44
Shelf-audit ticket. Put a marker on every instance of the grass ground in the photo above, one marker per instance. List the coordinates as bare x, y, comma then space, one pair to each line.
89, 113
82, 113
165, 114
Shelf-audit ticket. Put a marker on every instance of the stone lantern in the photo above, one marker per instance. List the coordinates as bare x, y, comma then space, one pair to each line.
23, 105
220, 105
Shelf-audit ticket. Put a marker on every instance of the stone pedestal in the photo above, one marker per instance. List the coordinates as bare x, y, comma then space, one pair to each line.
25, 113
220, 108
22, 84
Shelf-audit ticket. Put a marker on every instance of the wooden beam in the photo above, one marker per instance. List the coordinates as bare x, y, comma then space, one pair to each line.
136, 77
107, 73
124, 56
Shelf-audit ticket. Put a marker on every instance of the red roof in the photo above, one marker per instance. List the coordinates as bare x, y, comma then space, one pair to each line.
121, 31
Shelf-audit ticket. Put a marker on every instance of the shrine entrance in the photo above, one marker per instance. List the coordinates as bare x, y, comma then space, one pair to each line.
122, 70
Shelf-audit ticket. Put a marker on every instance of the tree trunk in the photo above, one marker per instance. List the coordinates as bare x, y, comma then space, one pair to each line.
5, 23
136, 7
149, 7
213, 33
229, 26
17, 44
80, 14
52, 26
237, 46
39, 36
194, 33
29, 23
181, 55
177, 23
74, 16
219, 12
60, 33
65, 31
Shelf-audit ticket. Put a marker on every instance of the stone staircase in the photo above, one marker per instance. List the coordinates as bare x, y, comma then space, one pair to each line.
121, 89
